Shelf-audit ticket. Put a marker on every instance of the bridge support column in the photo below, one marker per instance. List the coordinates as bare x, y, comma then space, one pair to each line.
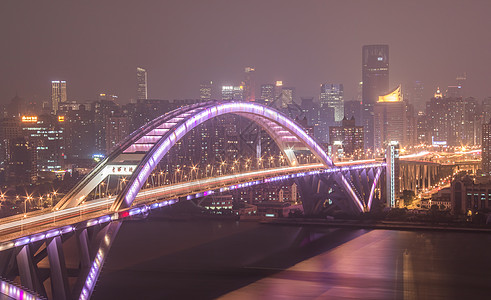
59, 279
28, 272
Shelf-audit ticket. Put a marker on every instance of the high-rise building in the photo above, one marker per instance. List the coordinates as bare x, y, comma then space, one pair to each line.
486, 147
80, 134
332, 96
232, 93
117, 129
390, 122
375, 78
446, 119
353, 108
249, 84
349, 136
58, 94
205, 90
46, 134
267, 93
141, 83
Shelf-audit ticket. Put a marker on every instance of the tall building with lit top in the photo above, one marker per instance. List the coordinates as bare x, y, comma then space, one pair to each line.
332, 96
58, 94
141, 83
375, 78
390, 122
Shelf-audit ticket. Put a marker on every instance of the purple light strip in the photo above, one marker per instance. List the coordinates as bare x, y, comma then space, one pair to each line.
16, 292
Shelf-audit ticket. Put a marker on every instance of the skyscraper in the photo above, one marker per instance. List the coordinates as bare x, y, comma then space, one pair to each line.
486, 147
375, 78
141, 84
230, 92
58, 94
205, 89
249, 84
332, 96
267, 93
390, 123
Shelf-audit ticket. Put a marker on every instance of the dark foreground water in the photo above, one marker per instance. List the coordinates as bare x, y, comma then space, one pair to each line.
160, 259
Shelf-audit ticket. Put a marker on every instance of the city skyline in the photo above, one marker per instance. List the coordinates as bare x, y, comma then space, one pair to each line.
207, 41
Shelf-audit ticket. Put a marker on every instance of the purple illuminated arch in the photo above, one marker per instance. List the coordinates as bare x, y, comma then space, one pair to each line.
255, 112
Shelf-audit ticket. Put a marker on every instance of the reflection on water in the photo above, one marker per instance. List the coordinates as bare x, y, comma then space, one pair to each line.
156, 259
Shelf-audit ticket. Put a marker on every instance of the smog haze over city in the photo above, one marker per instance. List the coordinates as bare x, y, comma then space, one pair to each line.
96, 45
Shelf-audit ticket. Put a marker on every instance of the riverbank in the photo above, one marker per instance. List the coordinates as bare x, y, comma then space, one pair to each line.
387, 225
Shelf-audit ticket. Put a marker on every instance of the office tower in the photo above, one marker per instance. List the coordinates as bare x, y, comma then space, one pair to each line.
423, 135
267, 93
58, 94
349, 136
375, 78
461, 81
472, 122
286, 97
278, 86
332, 96
21, 164
141, 84
326, 119
232, 93
249, 84
446, 118
390, 122
353, 108
80, 136
103, 109
46, 134
486, 147
117, 128
205, 90
417, 93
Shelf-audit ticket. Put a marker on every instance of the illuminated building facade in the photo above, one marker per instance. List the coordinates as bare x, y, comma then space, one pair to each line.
486, 147
46, 134
390, 122
117, 128
79, 134
58, 94
349, 136
141, 83
205, 90
375, 78
332, 96
267, 93
232, 93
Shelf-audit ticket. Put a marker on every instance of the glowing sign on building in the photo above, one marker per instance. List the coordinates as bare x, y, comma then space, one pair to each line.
61, 118
29, 119
394, 96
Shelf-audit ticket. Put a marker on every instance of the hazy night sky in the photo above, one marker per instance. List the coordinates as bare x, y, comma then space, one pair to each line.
96, 45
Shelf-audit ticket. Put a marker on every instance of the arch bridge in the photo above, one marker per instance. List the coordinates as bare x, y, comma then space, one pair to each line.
24, 253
